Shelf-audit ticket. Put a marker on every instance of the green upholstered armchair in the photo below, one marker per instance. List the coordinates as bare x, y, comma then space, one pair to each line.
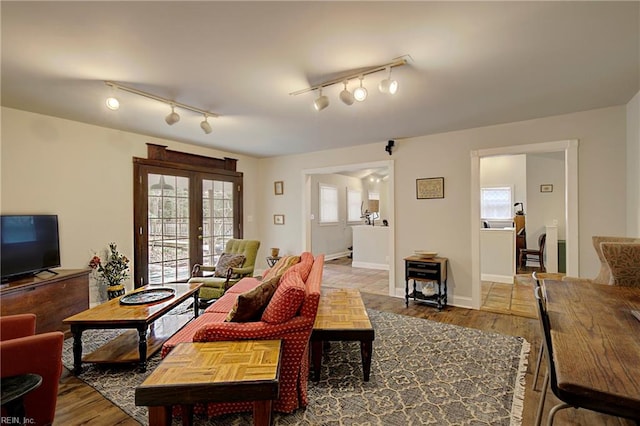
214, 287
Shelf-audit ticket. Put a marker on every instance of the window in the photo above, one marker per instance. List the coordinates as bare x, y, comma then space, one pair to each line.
328, 204
354, 205
495, 203
374, 195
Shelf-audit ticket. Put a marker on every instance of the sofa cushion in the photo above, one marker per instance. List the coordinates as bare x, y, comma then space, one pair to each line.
223, 304
186, 333
281, 266
250, 305
245, 284
287, 299
226, 261
304, 267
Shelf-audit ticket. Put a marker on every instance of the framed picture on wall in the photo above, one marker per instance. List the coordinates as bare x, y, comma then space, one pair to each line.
546, 187
278, 219
428, 188
278, 187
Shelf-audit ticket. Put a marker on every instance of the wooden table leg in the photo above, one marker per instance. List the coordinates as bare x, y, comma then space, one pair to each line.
142, 347
187, 414
160, 416
76, 330
366, 347
262, 413
316, 358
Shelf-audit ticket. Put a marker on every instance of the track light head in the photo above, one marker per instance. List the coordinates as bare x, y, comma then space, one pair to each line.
388, 85
172, 118
321, 102
112, 103
360, 93
205, 126
346, 96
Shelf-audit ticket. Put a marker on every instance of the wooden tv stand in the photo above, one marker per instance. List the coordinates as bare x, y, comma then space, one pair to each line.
51, 297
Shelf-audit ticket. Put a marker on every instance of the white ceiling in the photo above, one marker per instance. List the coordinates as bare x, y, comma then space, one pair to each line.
473, 64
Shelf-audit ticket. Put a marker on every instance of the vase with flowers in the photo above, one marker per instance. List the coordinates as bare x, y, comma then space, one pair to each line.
112, 272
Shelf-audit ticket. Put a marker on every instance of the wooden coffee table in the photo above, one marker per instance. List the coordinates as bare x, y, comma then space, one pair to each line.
342, 316
243, 370
134, 345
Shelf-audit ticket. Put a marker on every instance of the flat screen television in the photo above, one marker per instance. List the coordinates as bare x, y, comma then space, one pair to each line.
30, 244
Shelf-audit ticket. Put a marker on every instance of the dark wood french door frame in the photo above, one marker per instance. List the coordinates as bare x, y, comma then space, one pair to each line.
196, 174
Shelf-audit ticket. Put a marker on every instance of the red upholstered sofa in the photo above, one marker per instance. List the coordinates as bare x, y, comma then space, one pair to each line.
295, 333
22, 352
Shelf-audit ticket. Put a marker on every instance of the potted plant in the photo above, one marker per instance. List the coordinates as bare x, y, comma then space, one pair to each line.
113, 272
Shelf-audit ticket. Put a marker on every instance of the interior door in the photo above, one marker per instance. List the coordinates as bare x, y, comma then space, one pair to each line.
182, 217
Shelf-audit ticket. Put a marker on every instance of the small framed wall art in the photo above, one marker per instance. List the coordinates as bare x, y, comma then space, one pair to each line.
278, 187
547, 187
428, 188
278, 219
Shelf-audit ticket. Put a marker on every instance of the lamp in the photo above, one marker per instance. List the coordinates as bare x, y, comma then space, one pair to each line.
321, 102
204, 124
388, 85
360, 93
346, 96
173, 117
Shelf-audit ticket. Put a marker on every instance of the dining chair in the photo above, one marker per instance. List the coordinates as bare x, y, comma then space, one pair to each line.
546, 348
536, 255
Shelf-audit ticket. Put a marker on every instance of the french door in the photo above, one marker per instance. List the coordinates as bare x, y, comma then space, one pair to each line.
182, 217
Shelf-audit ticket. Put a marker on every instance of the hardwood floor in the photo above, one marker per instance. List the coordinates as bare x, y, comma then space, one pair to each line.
79, 404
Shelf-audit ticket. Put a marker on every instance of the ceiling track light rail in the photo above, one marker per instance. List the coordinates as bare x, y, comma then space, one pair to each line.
403, 60
173, 117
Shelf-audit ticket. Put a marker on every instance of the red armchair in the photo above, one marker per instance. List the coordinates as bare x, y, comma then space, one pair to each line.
22, 351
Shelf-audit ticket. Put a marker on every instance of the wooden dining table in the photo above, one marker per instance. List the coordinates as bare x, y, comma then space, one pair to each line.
596, 344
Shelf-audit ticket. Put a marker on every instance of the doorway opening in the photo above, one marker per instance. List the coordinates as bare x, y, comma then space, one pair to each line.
308, 219
570, 150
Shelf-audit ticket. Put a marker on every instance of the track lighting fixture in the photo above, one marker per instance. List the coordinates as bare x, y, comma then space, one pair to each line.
322, 102
388, 85
360, 93
112, 103
346, 96
173, 117
204, 124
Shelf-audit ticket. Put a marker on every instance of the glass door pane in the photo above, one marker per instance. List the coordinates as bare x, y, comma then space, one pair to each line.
217, 218
168, 228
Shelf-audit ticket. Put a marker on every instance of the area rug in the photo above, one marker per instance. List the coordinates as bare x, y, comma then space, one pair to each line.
422, 372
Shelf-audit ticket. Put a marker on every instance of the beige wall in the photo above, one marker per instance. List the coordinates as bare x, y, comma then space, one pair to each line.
84, 174
633, 166
443, 225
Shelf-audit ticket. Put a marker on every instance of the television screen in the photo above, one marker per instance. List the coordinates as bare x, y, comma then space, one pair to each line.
29, 244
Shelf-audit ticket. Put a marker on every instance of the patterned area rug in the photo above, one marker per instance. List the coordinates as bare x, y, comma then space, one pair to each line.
422, 372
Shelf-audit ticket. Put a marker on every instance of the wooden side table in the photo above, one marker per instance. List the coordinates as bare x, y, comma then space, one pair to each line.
418, 268
342, 316
243, 370
271, 260
13, 390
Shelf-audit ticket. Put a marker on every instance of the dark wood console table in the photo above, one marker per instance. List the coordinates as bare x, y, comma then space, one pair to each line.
50, 297
418, 268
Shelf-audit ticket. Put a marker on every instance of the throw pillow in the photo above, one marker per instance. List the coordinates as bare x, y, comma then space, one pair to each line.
286, 301
250, 304
281, 266
304, 267
226, 261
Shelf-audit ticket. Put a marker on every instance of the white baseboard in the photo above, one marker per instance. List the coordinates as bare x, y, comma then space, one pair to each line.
337, 255
507, 279
369, 265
